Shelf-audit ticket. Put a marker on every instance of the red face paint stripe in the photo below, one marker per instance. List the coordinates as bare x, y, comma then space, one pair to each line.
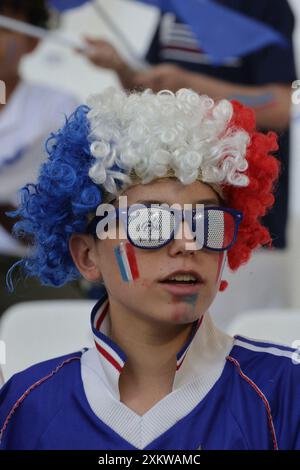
132, 261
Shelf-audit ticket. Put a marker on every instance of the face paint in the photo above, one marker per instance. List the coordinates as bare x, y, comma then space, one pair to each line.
127, 262
221, 265
191, 299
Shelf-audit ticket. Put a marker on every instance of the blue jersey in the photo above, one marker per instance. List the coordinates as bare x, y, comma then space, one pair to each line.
228, 393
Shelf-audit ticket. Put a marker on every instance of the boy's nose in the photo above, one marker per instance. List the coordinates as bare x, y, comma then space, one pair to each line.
183, 242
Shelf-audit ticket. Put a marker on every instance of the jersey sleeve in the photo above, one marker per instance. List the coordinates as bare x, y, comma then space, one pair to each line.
272, 372
287, 407
10, 393
21, 422
30, 400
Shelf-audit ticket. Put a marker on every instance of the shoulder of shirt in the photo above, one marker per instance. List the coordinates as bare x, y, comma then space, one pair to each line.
243, 346
263, 382
47, 383
47, 366
271, 373
265, 361
41, 371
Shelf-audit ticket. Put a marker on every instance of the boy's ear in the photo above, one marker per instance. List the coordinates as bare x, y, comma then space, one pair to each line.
83, 251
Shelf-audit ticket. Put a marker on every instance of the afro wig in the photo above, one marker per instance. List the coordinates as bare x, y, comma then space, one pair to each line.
99, 146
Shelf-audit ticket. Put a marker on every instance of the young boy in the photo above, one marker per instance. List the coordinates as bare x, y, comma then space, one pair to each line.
161, 376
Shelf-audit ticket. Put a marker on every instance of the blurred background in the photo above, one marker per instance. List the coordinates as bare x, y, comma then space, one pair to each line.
48, 78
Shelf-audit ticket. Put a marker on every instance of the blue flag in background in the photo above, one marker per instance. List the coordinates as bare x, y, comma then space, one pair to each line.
63, 5
222, 32
163, 5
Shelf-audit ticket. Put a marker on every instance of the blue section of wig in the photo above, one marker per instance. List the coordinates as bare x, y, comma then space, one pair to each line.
58, 204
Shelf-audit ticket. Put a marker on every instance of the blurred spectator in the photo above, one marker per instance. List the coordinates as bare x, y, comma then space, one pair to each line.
261, 79
31, 112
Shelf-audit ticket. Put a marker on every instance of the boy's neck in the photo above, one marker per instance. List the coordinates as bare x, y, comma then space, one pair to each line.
151, 350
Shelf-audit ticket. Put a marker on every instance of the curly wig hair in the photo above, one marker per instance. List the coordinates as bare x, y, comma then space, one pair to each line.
101, 144
258, 197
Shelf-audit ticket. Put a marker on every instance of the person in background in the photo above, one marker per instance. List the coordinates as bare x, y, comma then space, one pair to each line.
261, 80
263, 76
31, 110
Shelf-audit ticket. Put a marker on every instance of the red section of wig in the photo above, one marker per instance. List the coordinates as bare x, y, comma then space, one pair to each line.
257, 198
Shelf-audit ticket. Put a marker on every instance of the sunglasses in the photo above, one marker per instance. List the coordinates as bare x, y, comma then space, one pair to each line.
154, 226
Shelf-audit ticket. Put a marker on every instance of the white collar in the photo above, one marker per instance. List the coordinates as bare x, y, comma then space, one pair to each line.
112, 357
202, 361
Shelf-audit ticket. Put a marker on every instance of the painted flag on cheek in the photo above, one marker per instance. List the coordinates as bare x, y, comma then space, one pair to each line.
127, 262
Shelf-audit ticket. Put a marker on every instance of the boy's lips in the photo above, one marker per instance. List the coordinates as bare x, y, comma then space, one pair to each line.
182, 288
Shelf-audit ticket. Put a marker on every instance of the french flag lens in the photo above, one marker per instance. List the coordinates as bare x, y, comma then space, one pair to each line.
150, 227
220, 229
197, 224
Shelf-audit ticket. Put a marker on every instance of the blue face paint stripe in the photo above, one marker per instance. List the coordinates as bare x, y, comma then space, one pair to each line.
125, 262
191, 299
120, 263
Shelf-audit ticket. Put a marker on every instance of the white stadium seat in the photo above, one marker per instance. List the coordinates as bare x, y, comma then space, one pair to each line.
36, 331
273, 325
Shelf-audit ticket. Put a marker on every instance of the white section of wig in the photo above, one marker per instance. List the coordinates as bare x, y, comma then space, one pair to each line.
153, 133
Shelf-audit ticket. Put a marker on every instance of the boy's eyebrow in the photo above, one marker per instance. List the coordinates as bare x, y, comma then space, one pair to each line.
202, 201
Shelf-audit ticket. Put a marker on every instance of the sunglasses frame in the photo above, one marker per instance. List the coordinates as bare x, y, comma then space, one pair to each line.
122, 215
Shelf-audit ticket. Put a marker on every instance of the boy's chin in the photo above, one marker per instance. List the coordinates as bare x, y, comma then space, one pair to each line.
182, 312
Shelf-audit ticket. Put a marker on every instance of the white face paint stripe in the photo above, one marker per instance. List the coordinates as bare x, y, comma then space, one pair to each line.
126, 262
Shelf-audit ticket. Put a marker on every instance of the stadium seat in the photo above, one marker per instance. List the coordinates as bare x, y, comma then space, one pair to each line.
36, 331
273, 325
